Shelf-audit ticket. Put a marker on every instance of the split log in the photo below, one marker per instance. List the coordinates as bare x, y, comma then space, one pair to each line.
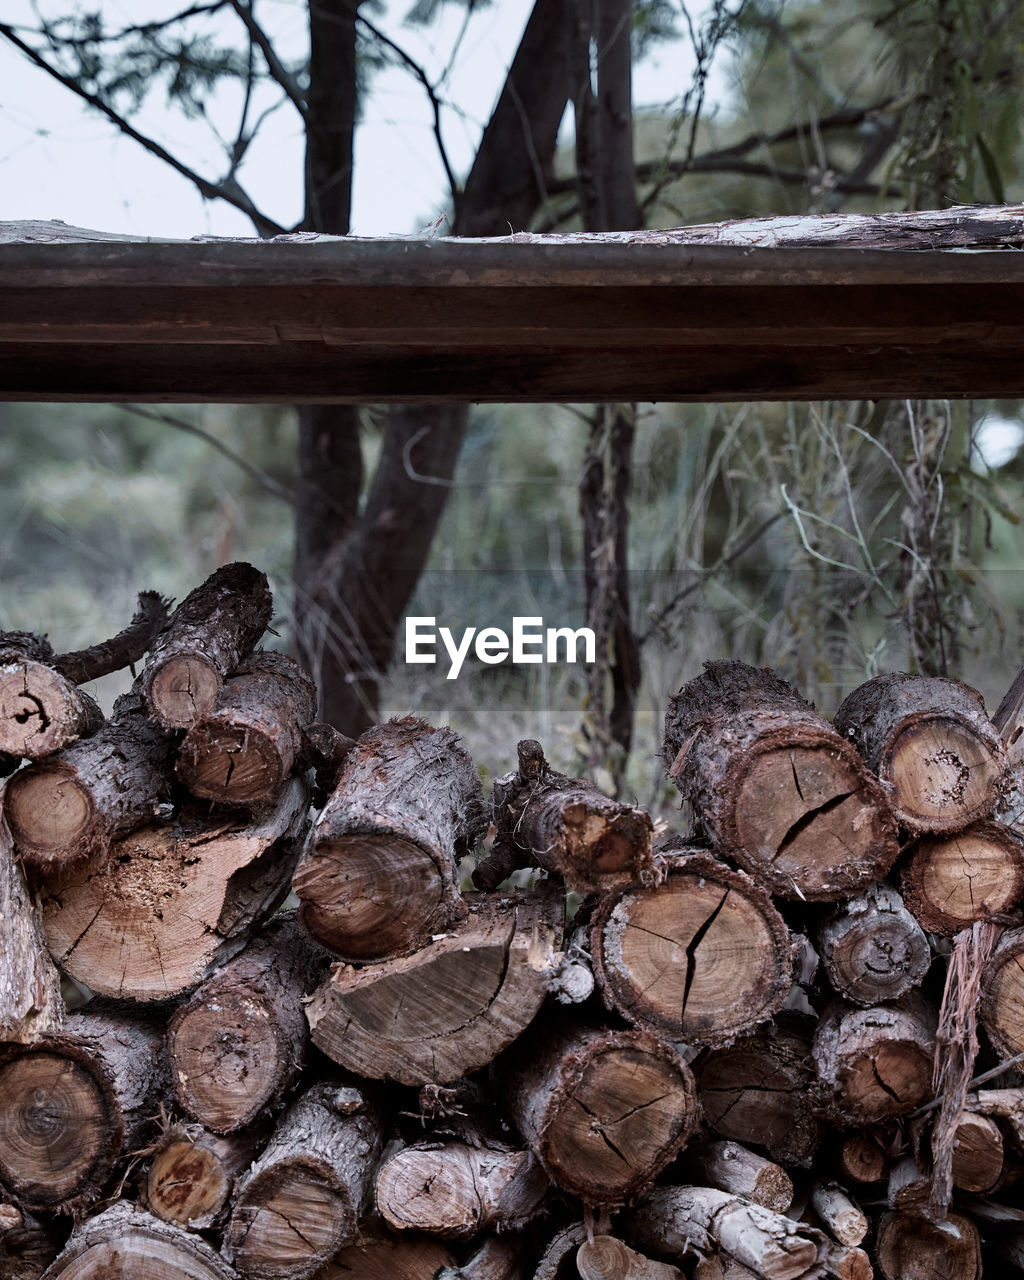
379, 877
839, 1214
126, 1243
671, 1222
452, 1007
1002, 994
27, 1245
950, 881
877, 1063
246, 747
240, 1039
932, 745
605, 1258
872, 948
763, 1089
301, 1200
565, 825
455, 1190
380, 1256
191, 1173
71, 1104
775, 786
977, 1153
30, 996
730, 1167
700, 958
604, 1110
910, 1247
211, 631
173, 900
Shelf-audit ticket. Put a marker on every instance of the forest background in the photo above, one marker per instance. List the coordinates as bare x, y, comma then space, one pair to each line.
828, 540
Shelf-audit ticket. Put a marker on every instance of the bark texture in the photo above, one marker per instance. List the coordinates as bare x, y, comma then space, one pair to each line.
731, 1167
872, 948
30, 998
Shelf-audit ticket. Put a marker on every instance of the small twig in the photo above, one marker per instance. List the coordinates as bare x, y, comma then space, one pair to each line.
984, 1078
122, 650
275, 66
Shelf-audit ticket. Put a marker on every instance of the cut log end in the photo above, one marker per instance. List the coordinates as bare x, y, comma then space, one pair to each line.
282, 1228
945, 775
953, 880
186, 1184
51, 815
1002, 1000
183, 690
233, 765
877, 1062
40, 711
910, 1247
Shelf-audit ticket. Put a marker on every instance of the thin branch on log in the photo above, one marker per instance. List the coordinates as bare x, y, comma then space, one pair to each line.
122, 650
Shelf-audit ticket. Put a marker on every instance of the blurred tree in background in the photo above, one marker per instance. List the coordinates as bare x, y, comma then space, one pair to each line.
828, 540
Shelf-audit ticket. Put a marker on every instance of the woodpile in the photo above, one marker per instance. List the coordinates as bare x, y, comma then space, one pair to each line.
320, 1033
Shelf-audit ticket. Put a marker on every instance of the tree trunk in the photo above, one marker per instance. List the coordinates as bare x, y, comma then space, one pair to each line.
192, 1171
776, 786
872, 948
452, 1007
301, 1200
730, 1167
932, 745
173, 900
70, 1105
1002, 994
909, 1247
30, 997
211, 631
950, 881
126, 1243
69, 807
565, 825
604, 1110
380, 875
702, 957
244, 750
240, 1039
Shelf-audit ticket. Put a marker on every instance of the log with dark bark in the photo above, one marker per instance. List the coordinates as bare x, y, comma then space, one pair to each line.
455, 1190
30, 996
604, 1110
71, 1104
932, 745
126, 1243
702, 957
558, 1261
379, 876
565, 825
775, 786
174, 899
671, 1222
240, 1040
1002, 994
605, 1258
192, 1171
731, 1167
301, 1200
244, 749
910, 1247
977, 1153
950, 881
452, 1007
872, 948
122, 650
763, 1089
70, 806
876, 1063
211, 631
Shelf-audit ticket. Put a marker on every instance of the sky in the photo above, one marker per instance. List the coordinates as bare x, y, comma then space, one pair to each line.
58, 160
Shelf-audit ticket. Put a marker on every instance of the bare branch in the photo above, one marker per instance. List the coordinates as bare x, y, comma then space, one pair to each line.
275, 66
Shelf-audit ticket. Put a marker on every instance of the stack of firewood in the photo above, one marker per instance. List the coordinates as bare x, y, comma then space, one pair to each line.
752, 1051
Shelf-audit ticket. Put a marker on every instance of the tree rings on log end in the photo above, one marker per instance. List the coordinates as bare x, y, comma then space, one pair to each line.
910, 1247
701, 958
950, 881
230, 763
872, 948
367, 897
183, 689
40, 710
1002, 994
51, 815
186, 1183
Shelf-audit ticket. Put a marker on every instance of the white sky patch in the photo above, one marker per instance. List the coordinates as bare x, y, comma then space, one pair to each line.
996, 441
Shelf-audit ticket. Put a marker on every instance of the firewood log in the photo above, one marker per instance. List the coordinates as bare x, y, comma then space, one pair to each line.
30, 996
126, 1243
41, 711
72, 805
605, 1258
700, 958
211, 631
452, 1007
730, 1167
604, 1110
174, 899
557, 1262
240, 1040
910, 1247
950, 881
244, 749
378, 1255
719, 1266
840, 1215
379, 876
932, 745
909, 1185
670, 1222
864, 1156
71, 1104
775, 786
872, 948
496, 1257
1002, 994
876, 1063
977, 1153
763, 1089
848, 1262
191, 1173
565, 825
301, 1200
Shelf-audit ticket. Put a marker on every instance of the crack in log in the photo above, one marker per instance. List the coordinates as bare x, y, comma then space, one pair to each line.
597, 1126
882, 1085
803, 822
796, 777
23, 717
691, 954
640, 1106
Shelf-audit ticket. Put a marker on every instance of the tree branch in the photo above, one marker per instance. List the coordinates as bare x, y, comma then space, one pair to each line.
275, 66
